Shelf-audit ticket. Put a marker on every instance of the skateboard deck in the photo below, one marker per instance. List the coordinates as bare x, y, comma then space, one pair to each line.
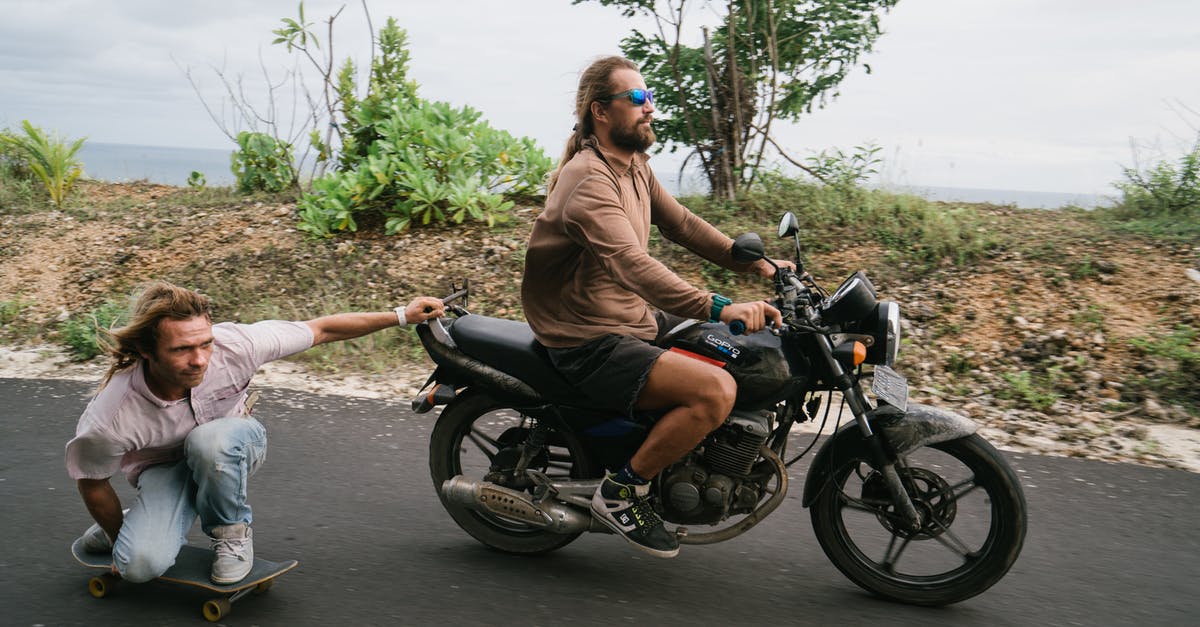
192, 568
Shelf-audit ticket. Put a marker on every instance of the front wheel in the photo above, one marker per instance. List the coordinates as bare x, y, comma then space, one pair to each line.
482, 438
972, 514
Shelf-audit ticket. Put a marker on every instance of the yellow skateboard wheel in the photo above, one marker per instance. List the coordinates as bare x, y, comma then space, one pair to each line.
100, 586
216, 609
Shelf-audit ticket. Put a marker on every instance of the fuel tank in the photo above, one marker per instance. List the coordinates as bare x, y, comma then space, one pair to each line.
766, 371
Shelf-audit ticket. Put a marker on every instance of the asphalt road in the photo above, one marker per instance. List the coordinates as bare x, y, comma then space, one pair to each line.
346, 491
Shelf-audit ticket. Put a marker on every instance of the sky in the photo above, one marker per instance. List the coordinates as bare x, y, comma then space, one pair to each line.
1038, 95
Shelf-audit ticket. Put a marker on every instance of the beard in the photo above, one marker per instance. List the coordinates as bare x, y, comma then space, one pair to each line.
633, 137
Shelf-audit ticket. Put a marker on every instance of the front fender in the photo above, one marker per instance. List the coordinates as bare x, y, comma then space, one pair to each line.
902, 434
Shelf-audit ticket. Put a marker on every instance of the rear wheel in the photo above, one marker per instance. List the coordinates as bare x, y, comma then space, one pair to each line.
481, 438
973, 519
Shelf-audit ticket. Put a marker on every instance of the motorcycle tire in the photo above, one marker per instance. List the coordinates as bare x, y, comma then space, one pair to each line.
475, 419
940, 564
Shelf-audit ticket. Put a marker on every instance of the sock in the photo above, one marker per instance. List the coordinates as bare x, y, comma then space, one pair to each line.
627, 476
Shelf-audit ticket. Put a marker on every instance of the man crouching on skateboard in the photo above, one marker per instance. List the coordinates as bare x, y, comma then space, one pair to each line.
171, 414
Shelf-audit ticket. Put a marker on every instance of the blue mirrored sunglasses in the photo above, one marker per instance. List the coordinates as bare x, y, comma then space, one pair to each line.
638, 97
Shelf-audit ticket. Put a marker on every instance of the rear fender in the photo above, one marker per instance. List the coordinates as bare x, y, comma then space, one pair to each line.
902, 434
457, 369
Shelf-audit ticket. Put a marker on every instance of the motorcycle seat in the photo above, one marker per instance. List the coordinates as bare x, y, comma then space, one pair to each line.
509, 346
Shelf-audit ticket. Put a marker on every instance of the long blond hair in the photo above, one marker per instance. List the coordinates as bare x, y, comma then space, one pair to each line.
594, 83
156, 301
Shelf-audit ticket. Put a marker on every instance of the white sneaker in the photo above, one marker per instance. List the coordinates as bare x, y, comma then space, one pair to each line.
95, 540
235, 553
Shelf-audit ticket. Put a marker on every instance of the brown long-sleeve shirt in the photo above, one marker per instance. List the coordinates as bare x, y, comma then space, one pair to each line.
587, 269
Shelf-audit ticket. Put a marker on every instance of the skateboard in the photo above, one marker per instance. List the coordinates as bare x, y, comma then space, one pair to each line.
192, 568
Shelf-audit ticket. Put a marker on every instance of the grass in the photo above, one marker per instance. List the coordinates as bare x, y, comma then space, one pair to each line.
1029, 391
79, 332
919, 232
14, 322
1175, 360
1091, 319
1181, 229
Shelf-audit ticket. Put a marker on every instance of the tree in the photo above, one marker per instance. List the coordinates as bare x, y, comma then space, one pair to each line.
767, 60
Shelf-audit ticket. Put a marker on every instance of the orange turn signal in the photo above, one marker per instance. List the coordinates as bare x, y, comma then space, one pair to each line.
850, 354
860, 353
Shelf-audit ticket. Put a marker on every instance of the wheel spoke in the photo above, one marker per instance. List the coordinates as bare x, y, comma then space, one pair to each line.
954, 489
866, 506
878, 507
486, 444
950, 540
564, 466
893, 552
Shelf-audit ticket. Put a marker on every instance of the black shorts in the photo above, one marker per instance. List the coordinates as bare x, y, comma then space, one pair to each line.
611, 370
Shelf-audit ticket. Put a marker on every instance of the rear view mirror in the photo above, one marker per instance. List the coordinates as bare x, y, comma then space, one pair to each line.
789, 225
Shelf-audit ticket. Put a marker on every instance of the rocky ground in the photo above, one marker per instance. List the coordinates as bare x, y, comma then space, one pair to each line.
1043, 342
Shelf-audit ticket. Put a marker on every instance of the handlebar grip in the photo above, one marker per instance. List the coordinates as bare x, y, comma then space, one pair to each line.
737, 327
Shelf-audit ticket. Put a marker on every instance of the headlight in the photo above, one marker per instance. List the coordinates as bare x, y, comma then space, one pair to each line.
883, 325
889, 331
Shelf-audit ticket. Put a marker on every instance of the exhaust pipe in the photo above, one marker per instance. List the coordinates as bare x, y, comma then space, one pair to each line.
487, 497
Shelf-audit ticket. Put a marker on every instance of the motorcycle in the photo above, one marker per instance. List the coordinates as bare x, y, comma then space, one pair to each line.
906, 499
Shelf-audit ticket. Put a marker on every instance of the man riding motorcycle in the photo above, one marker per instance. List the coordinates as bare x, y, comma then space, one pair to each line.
589, 283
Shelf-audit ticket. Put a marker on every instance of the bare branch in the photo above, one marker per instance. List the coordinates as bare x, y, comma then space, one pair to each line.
791, 160
219, 121
371, 30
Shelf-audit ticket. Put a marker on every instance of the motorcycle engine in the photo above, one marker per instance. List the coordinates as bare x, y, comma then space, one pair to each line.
714, 482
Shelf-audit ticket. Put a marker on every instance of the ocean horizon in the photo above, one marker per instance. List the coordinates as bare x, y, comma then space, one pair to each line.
121, 163
167, 165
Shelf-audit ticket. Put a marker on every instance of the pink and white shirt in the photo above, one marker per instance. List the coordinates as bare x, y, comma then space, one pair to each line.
126, 427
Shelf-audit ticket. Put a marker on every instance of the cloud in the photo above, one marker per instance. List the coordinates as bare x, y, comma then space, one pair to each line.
1023, 94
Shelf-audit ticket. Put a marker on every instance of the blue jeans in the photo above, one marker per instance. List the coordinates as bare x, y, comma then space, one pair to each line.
210, 482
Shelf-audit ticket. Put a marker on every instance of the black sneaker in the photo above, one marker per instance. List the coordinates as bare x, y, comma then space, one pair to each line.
626, 510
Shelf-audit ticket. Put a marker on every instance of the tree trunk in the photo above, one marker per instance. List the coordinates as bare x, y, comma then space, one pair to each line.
720, 176
737, 127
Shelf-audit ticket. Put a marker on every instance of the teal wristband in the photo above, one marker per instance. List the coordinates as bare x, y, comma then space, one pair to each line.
719, 303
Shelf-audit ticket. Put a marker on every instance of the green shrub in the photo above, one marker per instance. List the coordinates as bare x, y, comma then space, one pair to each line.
14, 324
1177, 375
1027, 390
49, 157
79, 331
17, 182
431, 163
839, 168
918, 229
262, 163
196, 180
412, 161
1161, 201
1164, 189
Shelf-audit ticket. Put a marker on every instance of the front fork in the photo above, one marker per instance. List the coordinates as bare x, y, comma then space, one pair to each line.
860, 406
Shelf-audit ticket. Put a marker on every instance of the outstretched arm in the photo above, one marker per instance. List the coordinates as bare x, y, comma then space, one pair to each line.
345, 326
